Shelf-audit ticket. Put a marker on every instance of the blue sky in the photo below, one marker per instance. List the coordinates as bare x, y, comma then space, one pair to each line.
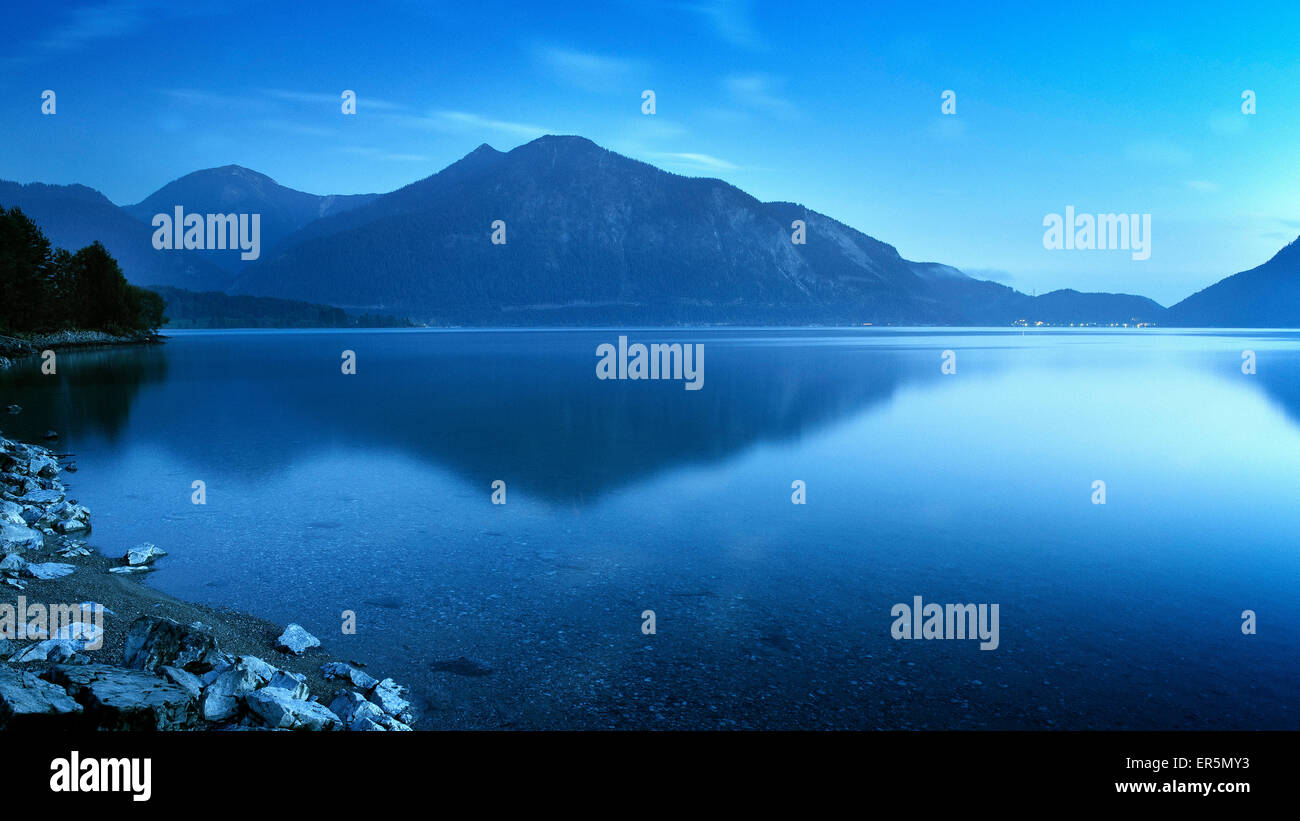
1109, 107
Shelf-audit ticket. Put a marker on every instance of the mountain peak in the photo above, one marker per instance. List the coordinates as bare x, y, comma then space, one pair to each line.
233, 171
562, 141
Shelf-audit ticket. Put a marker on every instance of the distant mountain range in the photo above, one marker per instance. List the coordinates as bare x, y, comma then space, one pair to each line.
591, 237
232, 189
1266, 296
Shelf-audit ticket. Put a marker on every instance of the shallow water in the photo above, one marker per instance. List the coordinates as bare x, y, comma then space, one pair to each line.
371, 492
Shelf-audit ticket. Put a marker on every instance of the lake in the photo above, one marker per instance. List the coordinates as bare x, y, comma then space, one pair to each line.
372, 492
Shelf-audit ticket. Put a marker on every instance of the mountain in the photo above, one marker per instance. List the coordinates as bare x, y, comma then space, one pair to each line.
1266, 296
74, 216
593, 237
1065, 306
232, 189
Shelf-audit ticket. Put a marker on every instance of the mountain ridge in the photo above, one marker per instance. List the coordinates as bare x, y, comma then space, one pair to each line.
588, 230
592, 237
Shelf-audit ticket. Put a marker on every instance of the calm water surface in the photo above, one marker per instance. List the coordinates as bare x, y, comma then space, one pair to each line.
371, 493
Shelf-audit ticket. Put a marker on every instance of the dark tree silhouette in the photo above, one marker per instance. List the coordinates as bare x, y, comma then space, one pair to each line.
47, 289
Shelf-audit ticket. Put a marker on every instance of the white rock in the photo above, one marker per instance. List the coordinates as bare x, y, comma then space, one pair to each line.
359, 678
295, 683
388, 695
43, 497
184, 679
143, 554
358, 714
220, 699
15, 538
56, 650
49, 570
296, 640
278, 708
263, 671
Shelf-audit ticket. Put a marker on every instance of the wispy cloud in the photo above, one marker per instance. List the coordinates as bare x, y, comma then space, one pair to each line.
993, 274
317, 98
382, 155
759, 92
88, 24
199, 97
695, 161
298, 128
732, 20
593, 72
462, 122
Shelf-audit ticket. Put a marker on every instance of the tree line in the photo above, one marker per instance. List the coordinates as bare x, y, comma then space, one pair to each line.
43, 288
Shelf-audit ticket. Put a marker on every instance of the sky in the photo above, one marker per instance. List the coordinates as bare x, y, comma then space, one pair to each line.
1106, 107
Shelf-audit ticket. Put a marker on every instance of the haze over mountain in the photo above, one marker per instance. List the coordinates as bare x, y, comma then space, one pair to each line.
1266, 296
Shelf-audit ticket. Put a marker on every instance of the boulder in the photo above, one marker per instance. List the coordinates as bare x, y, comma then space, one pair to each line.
81, 630
71, 518
43, 497
153, 642
294, 683
183, 679
117, 699
28, 700
357, 713
43, 466
49, 570
15, 538
296, 640
221, 698
359, 678
58, 651
128, 570
12, 563
143, 554
279, 709
12, 513
263, 671
388, 695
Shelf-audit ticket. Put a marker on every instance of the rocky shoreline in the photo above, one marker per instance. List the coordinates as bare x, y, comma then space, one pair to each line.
13, 348
137, 659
